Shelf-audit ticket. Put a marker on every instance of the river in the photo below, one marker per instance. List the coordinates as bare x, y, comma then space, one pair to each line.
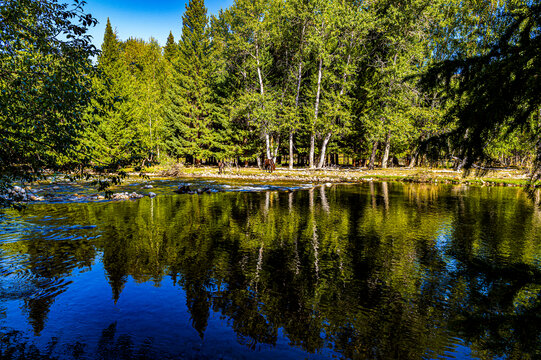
364, 271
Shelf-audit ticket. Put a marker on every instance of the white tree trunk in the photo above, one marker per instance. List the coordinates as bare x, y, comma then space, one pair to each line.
316, 111
150, 134
413, 161
291, 150
323, 154
262, 92
277, 147
268, 146
299, 81
312, 151
299, 74
324, 150
387, 150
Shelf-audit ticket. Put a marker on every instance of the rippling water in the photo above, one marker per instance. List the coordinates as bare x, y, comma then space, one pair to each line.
378, 271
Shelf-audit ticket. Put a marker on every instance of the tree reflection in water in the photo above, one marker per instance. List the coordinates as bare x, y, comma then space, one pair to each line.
382, 270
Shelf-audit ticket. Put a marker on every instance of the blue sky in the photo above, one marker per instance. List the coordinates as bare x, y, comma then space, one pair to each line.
143, 18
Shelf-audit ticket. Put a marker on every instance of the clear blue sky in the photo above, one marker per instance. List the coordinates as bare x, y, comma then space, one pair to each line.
143, 18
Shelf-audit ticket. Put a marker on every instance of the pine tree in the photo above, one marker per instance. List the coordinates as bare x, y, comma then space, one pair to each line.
191, 112
109, 47
171, 48
116, 138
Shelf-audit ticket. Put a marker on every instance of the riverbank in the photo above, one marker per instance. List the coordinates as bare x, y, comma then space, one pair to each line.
504, 177
200, 180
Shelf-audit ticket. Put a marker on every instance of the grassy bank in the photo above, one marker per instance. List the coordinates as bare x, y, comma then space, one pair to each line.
504, 177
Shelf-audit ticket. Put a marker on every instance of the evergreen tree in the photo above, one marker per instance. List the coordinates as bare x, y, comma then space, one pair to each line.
190, 113
109, 47
171, 48
123, 133
492, 86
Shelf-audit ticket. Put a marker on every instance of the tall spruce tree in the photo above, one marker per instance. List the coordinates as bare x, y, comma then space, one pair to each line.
170, 49
109, 47
115, 138
190, 111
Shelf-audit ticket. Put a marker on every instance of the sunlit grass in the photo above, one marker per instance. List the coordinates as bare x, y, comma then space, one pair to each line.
346, 174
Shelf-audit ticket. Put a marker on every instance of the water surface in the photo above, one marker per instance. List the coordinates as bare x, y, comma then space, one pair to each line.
377, 271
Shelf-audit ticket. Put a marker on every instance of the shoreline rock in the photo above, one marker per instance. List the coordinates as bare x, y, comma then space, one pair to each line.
126, 196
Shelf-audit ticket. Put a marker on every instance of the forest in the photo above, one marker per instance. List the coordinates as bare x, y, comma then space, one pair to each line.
303, 82
307, 83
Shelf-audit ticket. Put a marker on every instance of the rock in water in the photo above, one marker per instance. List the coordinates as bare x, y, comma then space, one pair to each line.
135, 195
120, 196
183, 190
126, 196
151, 194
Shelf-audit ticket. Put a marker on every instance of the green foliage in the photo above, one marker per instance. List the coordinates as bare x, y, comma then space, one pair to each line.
493, 88
110, 48
45, 85
266, 78
132, 85
170, 51
193, 118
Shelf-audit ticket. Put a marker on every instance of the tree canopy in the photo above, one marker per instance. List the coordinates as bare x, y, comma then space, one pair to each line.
495, 89
307, 83
45, 85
